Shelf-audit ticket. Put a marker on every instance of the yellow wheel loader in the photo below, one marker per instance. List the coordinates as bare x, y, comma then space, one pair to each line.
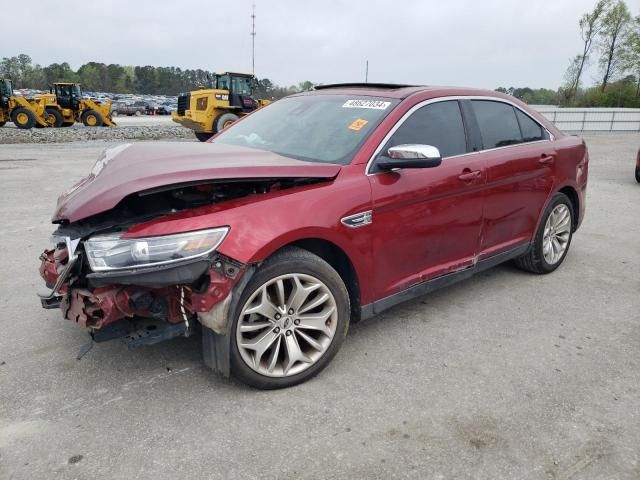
19, 110
207, 111
65, 106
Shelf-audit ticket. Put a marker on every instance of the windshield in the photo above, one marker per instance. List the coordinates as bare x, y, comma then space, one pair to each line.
6, 90
76, 91
241, 86
317, 128
222, 82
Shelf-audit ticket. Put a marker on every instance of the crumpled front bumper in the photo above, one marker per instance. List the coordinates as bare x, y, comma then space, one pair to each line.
172, 294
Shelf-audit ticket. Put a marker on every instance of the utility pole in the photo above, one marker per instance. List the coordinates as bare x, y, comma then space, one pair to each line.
366, 73
253, 39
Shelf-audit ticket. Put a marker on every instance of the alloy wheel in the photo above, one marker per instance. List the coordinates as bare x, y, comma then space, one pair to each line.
286, 325
557, 232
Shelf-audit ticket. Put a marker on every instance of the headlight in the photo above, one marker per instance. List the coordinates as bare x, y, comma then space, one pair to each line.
110, 252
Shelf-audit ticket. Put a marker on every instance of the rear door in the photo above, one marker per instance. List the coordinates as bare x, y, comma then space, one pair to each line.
426, 222
519, 159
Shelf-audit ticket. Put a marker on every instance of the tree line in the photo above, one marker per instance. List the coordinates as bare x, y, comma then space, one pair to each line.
610, 39
113, 78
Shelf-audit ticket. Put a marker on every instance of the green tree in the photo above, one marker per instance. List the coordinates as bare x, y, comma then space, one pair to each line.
615, 27
590, 25
631, 53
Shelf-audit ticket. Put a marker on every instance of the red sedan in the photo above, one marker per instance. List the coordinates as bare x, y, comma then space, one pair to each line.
321, 209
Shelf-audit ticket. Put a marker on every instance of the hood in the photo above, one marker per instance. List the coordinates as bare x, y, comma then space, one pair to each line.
133, 168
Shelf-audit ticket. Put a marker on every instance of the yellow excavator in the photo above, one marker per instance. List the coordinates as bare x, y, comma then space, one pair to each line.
25, 113
207, 111
65, 106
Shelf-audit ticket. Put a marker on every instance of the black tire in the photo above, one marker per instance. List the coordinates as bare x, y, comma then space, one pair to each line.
2, 124
533, 260
202, 136
290, 260
224, 121
58, 120
637, 172
23, 118
91, 118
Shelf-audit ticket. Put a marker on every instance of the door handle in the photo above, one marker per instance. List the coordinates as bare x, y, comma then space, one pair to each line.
546, 159
468, 176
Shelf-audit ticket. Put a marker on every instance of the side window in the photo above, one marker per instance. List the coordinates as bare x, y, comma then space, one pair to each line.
438, 124
531, 130
497, 122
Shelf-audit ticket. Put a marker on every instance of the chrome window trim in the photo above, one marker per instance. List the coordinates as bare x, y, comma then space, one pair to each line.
424, 103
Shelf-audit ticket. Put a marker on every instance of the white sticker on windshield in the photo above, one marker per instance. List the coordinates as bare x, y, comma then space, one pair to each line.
375, 104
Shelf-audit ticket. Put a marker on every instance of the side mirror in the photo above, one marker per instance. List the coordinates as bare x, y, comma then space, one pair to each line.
410, 156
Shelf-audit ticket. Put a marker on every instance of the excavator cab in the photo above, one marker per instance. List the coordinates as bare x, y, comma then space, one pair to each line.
68, 95
240, 88
210, 110
6, 92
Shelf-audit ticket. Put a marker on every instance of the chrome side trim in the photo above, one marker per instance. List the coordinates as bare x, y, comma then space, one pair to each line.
445, 99
358, 220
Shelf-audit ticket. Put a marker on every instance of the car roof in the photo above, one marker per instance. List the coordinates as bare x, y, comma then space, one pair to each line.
400, 91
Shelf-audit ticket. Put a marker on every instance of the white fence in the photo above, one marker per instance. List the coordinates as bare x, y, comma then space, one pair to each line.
592, 119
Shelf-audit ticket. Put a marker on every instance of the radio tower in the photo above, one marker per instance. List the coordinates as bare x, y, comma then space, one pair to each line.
253, 39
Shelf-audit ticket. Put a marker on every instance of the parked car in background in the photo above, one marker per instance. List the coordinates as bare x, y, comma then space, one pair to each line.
121, 108
323, 208
161, 109
638, 167
149, 108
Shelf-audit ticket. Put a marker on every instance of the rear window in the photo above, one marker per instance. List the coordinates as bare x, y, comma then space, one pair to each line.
531, 130
497, 122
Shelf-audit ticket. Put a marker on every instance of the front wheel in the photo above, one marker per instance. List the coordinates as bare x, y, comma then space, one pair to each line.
224, 121
552, 240
23, 118
53, 117
203, 136
289, 322
91, 118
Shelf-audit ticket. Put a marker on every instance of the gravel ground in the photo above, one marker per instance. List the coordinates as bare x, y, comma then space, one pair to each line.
506, 375
127, 128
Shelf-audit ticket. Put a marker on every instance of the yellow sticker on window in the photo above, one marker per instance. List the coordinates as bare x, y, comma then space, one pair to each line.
358, 124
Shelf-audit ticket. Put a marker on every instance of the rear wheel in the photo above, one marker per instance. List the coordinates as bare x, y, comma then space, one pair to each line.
224, 121
53, 117
202, 136
637, 172
23, 118
289, 322
552, 239
91, 118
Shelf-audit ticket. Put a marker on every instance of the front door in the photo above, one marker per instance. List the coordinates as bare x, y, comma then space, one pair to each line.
426, 222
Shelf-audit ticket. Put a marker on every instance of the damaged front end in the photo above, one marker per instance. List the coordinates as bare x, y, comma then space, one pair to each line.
144, 304
105, 276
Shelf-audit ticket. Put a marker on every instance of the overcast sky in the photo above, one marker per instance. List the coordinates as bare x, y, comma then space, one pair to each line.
485, 43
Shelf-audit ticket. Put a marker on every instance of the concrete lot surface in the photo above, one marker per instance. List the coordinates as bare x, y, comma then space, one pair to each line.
508, 375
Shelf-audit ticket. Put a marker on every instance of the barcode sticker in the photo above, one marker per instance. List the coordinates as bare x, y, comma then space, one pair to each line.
374, 104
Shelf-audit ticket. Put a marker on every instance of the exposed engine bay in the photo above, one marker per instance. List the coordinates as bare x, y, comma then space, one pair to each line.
155, 302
